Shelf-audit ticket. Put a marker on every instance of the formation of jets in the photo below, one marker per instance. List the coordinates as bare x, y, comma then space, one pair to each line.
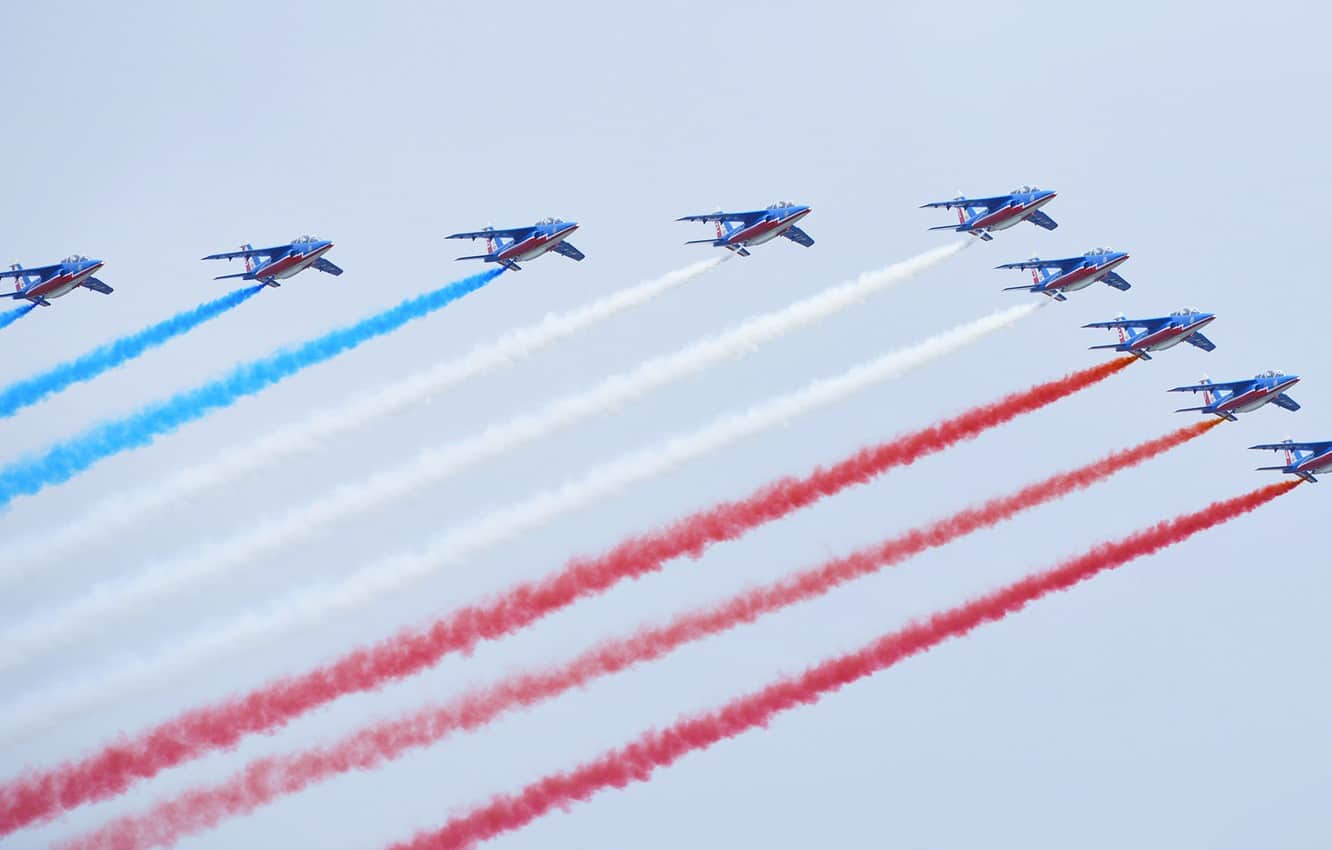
981, 217
738, 232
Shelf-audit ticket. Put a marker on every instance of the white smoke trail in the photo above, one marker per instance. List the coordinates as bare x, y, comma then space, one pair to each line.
85, 616
397, 573
124, 509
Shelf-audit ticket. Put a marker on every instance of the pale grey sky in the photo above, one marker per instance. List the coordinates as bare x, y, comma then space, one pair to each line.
1178, 702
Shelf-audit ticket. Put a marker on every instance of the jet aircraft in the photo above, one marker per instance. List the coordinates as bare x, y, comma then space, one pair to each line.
509, 245
1158, 334
39, 283
269, 265
1056, 277
1302, 459
980, 216
1227, 399
739, 231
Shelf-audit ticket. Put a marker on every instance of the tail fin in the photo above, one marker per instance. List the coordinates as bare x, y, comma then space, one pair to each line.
249, 261
1123, 333
1208, 396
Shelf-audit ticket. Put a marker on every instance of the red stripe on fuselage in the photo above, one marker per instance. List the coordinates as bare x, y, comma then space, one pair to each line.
1167, 333
531, 243
46, 287
1249, 395
1004, 214
762, 228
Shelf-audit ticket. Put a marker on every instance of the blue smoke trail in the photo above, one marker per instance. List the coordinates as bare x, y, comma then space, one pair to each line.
65, 460
9, 318
17, 396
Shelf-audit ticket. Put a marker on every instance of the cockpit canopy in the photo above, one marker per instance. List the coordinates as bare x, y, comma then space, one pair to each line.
1184, 311
305, 239
1024, 190
75, 258
780, 205
550, 219
1271, 374
1097, 252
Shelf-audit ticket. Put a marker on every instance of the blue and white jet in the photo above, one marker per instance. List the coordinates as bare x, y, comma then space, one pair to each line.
981, 216
1227, 399
39, 283
269, 265
739, 231
1056, 277
1302, 459
508, 246
1141, 336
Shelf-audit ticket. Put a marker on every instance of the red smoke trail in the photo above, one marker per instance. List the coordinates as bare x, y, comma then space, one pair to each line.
267, 779
656, 749
40, 795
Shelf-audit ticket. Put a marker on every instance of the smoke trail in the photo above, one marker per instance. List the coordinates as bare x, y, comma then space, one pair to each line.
266, 779
21, 394
123, 599
9, 317
127, 507
397, 573
114, 768
65, 460
616, 390
656, 749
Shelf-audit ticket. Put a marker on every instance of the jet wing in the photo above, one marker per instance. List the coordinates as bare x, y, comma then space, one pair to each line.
507, 233
97, 286
569, 251
1316, 448
250, 252
1150, 324
40, 271
744, 217
1198, 388
326, 267
1040, 219
1116, 281
798, 236
988, 203
1286, 402
1063, 265
1200, 341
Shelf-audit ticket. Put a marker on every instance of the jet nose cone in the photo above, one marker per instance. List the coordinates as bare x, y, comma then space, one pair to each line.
1049, 193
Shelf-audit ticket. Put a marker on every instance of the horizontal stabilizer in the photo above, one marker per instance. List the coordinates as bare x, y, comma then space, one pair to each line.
490, 258
1200, 341
714, 242
97, 286
1271, 468
1116, 281
949, 227
1024, 288
225, 276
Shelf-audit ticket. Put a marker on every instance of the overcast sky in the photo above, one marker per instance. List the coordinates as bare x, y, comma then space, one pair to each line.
1180, 701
